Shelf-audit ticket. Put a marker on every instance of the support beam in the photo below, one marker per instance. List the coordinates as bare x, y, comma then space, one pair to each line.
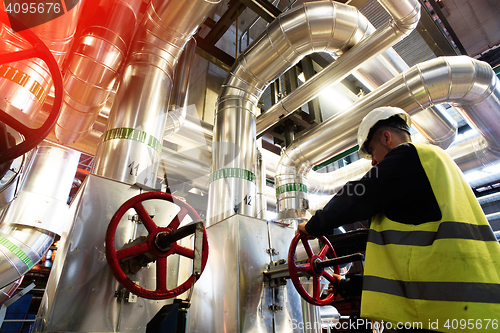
224, 23
313, 105
263, 8
213, 54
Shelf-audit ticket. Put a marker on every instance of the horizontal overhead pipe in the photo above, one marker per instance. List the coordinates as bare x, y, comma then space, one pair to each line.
405, 16
468, 84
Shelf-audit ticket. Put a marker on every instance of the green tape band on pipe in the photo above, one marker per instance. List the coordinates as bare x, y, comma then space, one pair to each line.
133, 134
233, 173
290, 187
17, 252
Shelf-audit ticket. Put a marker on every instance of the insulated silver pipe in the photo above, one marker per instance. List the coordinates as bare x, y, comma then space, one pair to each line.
38, 214
24, 94
93, 70
434, 122
131, 145
25, 84
178, 97
405, 16
470, 156
312, 27
261, 203
468, 84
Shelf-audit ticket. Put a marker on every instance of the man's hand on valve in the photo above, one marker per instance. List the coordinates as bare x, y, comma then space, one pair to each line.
302, 228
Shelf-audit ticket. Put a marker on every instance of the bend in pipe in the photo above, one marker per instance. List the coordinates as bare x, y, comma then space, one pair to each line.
328, 26
468, 84
405, 18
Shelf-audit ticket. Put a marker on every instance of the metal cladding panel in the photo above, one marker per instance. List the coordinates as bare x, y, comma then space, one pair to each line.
231, 295
289, 319
83, 295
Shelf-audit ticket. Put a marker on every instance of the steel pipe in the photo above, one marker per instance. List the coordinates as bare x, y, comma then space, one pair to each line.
434, 122
261, 202
312, 27
93, 70
131, 144
178, 97
38, 214
405, 16
25, 84
468, 84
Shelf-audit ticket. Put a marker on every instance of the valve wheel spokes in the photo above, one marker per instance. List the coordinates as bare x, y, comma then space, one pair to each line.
33, 136
309, 268
148, 246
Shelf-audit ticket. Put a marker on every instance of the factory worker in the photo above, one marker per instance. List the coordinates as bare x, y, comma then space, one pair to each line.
431, 256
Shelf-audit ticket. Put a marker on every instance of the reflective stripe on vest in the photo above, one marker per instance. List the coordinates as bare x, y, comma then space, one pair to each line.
434, 271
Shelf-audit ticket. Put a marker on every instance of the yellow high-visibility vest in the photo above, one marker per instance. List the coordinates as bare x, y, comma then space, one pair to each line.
442, 274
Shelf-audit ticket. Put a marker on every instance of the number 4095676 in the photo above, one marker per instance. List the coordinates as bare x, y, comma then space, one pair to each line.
33, 7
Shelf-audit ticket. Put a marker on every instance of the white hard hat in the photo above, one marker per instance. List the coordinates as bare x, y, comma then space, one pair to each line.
374, 117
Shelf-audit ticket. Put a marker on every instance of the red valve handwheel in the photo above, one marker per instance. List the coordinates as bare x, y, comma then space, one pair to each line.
114, 256
293, 269
33, 136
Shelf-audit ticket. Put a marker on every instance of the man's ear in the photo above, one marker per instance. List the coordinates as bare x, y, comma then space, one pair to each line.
386, 138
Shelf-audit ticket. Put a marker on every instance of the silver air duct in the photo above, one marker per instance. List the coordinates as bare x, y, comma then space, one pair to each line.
313, 27
260, 202
468, 84
93, 70
38, 214
131, 145
405, 16
177, 110
435, 123
25, 84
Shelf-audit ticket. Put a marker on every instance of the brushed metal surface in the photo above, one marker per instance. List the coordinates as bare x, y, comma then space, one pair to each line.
231, 295
289, 318
93, 70
141, 101
39, 212
177, 109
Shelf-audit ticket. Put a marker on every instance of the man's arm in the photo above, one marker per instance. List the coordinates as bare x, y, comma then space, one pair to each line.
396, 186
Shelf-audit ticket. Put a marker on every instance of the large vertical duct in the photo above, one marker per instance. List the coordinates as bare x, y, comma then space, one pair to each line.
93, 70
38, 214
312, 27
291, 36
131, 145
177, 109
25, 84
469, 85
260, 202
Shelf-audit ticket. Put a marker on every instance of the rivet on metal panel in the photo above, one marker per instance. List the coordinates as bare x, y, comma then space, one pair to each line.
275, 308
272, 251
